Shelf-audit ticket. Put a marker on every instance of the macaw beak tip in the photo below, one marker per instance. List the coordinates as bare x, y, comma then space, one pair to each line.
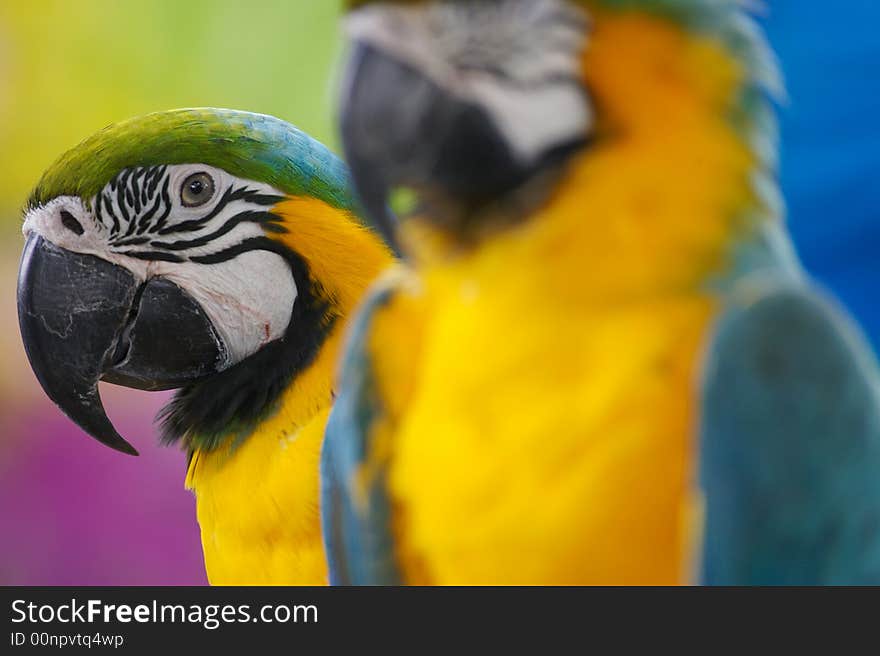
105, 433
124, 447
92, 418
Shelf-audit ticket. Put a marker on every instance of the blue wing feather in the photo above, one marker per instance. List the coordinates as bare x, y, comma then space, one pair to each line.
355, 522
790, 453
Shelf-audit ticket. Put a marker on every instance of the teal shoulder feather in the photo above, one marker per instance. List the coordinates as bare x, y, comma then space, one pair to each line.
790, 443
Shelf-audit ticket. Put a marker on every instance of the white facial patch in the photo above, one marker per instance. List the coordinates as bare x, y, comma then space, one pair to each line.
215, 251
518, 59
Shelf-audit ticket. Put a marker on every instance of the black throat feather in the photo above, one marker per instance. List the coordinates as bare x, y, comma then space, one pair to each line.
229, 405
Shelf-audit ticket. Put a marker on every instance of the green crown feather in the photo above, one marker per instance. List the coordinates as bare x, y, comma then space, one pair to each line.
252, 146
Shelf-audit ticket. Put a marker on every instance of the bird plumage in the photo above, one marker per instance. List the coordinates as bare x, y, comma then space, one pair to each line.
790, 426
257, 491
524, 405
236, 252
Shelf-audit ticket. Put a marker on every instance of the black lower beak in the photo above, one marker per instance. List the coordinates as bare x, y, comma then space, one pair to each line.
400, 128
83, 319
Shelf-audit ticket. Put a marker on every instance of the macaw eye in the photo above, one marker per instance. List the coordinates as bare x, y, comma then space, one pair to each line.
196, 190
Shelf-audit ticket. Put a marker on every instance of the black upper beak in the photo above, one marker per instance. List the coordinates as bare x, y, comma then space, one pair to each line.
83, 319
400, 128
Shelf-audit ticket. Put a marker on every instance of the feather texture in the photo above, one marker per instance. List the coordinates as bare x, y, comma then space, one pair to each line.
254, 146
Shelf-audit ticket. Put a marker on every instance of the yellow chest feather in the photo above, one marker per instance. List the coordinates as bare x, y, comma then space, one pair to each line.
258, 508
257, 500
544, 434
562, 452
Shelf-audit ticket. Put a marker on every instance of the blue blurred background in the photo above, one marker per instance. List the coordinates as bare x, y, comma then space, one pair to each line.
830, 54
75, 513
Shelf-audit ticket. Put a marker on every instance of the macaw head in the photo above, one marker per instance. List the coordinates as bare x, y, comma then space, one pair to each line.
204, 249
473, 108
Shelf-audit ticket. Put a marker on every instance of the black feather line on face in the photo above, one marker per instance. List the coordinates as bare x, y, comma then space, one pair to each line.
144, 221
262, 199
229, 405
157, 176
248, 216
153, 256
108, 204
251, 244
133, 241
120, 197
166, 198
146, 185
98, 213
135, 191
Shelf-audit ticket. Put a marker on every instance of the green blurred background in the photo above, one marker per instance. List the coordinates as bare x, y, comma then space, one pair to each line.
71, 512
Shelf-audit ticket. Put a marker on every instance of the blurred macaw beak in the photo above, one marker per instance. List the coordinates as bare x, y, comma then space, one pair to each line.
84, 319
363, 128
400, 128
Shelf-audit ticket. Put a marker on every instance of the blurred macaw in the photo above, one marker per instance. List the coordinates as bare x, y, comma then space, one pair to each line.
604, 363
218, 252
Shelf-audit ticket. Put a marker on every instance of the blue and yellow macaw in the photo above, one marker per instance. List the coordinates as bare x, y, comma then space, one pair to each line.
218, 252
603, 363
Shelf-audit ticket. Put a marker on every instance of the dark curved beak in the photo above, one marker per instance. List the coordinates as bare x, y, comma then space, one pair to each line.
84, 319
400, 128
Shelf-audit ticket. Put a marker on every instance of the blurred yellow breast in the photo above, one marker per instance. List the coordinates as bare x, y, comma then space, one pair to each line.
546, 445
547, 434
